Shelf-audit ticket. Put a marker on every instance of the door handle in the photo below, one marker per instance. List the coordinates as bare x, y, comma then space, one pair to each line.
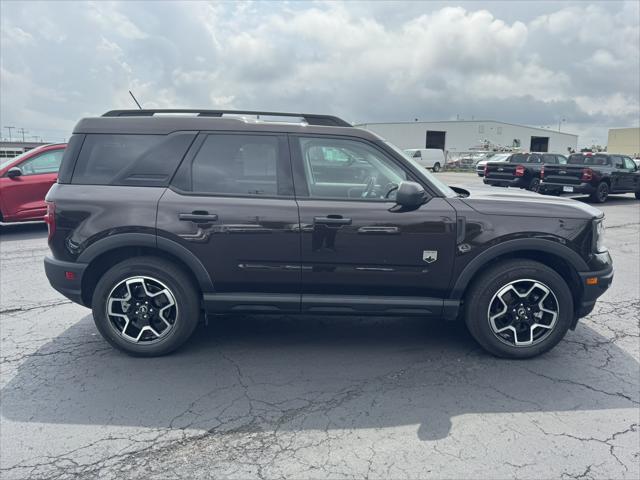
198, 216
332, 220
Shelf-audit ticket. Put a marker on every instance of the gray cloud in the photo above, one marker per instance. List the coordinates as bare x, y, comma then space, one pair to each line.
530, 63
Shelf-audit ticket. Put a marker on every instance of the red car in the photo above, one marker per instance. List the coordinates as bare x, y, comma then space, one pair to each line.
25, 180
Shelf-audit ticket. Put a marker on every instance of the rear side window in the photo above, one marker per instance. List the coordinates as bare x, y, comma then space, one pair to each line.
143, 160
47, 162
234, 164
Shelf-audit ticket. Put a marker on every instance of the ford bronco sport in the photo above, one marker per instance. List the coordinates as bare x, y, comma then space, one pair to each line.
158, 219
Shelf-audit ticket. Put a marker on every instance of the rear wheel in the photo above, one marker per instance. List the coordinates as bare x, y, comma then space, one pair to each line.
601, 193
518, 309
436, 167
534, 185
146, 306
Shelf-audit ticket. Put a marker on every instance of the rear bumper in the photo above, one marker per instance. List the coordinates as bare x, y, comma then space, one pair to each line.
586, 188
516, 182
65, 277
591, 292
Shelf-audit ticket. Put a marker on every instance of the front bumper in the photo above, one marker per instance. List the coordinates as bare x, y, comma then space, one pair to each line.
66, 277
516, 182
594, 284
585, 188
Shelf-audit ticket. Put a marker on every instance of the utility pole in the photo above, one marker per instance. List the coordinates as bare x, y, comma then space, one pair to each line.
560, 122
22, 131
9, 128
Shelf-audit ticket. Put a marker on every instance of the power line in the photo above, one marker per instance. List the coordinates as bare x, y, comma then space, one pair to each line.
23, 131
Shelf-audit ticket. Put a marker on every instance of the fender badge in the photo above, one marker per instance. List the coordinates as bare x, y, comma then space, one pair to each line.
430, 256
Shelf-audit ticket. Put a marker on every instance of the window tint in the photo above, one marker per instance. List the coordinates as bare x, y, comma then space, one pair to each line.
547, 158
368, 174
237, 165
145, 160
562, 160
618, 162
580, 159
48, 162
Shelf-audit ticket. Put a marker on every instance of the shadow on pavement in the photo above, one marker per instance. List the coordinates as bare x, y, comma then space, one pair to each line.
249, 374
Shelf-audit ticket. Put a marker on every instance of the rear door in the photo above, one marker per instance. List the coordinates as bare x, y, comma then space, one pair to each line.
231, 203
632, 176
23, 196
360, 252
618, 174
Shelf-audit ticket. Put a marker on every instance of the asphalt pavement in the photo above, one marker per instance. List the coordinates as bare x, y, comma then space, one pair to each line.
316, 397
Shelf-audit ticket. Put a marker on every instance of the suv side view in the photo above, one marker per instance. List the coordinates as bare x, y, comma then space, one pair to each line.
159, 219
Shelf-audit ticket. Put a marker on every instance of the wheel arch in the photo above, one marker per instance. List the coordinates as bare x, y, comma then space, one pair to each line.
562, 259
105, 253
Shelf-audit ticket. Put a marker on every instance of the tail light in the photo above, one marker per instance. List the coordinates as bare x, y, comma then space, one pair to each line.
520, 171
587, 175
486, 169
542, 173
50, 219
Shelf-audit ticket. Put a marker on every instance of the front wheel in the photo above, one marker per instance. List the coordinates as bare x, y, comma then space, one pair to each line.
436, 167
146, 306
519, 309
601, 193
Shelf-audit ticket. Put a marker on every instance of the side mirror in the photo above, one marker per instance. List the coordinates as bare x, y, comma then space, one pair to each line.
410, 195
14, 172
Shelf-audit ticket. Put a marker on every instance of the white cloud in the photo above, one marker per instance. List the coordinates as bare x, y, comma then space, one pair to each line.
366, 62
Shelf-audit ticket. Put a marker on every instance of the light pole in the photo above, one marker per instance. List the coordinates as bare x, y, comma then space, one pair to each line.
9, 128
560, 122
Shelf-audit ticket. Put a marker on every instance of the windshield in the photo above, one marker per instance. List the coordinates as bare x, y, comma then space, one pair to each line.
428, 176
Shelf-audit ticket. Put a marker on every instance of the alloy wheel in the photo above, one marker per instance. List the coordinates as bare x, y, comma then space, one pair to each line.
523, 313
142, 309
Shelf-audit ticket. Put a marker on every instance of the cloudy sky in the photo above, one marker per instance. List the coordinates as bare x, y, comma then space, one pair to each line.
533, 63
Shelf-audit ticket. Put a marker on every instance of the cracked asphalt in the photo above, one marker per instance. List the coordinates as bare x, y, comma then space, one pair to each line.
274, 397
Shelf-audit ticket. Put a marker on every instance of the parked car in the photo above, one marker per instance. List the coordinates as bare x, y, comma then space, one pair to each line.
595, 174
469, 161
25, 180
157, 220
497, 158
432, 158
522, 170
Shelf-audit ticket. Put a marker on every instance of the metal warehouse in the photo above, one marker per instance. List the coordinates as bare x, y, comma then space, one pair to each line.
464, 136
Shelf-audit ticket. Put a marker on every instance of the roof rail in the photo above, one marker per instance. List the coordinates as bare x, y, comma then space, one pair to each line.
311, 119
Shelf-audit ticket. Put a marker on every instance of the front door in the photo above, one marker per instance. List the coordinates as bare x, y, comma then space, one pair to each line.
359, 250
23, 196
231, 203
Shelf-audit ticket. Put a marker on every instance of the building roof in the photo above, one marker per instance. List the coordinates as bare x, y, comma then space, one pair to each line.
468, 121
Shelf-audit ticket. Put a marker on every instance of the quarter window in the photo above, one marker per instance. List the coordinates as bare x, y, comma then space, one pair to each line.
363, 172
48, 162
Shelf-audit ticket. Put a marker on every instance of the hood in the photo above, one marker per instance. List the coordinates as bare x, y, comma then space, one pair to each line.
493, 201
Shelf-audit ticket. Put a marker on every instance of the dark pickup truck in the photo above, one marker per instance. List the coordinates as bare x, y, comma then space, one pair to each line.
595, 174
522, 170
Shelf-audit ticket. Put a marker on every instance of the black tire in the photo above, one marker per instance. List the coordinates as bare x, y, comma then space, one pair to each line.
637, 195
483, 291
534, 185
601, 194
180, 286
436, 167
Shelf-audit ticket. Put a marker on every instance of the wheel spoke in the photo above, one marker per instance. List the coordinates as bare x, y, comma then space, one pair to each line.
130, 309
523, 312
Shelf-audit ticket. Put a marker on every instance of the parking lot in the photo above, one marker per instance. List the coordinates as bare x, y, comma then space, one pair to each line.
316, 397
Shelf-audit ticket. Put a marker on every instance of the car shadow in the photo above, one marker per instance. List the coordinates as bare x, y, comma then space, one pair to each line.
25, 231
263, 374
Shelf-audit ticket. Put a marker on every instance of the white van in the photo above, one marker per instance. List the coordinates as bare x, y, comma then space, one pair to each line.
432, 158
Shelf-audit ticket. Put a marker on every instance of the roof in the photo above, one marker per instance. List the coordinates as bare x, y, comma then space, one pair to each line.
468, 121
166, 124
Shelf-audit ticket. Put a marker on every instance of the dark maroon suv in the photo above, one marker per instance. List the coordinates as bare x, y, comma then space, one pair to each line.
162, 217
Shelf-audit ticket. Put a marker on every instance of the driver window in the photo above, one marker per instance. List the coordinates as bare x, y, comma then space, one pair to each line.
48, 162
349, 170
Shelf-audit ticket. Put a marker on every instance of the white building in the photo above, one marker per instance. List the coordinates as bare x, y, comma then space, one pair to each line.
463, 136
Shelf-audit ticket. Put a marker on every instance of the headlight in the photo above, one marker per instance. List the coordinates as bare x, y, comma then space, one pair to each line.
598, 233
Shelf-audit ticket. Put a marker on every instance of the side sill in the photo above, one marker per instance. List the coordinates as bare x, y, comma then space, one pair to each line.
314, 304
